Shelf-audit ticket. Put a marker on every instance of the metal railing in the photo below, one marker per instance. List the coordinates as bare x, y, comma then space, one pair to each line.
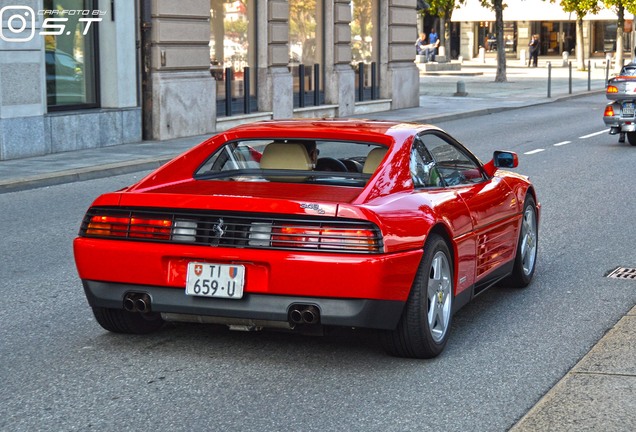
367, 88
307, 82
244, 103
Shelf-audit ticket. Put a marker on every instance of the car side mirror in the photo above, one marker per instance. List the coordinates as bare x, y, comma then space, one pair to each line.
501, 159
505, 159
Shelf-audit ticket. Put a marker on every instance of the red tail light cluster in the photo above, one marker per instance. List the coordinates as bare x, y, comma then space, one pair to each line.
609, 111
612, 89
361, 239
131, 227
233, 230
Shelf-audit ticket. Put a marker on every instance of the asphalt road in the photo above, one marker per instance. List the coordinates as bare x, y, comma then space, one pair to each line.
60, 371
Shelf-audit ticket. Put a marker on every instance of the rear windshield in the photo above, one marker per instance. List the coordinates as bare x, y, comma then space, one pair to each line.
344, 163
628, 71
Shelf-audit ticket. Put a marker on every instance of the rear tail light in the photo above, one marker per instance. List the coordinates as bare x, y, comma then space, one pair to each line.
239, 231
609, 111
129, 227
111, 226
612, 89
159, 229
331, 238
184, 231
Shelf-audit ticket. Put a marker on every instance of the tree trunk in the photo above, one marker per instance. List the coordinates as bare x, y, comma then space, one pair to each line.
445, 25
620, 38
580, 44
501, 48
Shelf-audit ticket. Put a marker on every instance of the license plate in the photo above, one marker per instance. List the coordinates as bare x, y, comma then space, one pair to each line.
628, 109
215, 280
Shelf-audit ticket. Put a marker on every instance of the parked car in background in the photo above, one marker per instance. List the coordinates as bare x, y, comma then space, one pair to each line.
310, 224
619, 113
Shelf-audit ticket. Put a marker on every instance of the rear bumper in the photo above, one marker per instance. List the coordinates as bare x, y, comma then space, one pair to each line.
364, 313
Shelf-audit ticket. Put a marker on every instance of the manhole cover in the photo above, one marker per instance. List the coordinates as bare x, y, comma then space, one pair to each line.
623, 273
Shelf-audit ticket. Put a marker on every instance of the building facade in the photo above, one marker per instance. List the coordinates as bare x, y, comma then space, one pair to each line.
79, 74
522, 19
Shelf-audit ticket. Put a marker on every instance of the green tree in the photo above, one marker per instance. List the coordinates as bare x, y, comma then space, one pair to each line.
580, 8
620, 7
444, 9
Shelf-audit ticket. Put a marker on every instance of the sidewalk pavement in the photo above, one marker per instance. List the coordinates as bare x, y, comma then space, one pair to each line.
599, 393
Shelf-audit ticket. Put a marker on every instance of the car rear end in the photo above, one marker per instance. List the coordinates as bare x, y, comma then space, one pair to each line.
244, 250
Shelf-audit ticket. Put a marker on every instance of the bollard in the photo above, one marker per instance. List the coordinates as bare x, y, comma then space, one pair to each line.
482, 54
549, 79
589, 75
522, 57
570, 77
461, 89
566, 58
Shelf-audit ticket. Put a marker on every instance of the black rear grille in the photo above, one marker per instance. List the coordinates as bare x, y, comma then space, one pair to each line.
236, 230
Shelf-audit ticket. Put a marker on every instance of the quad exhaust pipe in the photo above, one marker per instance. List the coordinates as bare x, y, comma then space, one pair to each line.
137, 302
304, 314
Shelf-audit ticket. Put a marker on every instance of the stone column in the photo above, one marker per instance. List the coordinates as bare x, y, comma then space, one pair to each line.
23, 127
183, 91
399, 76
275, 90
339, 76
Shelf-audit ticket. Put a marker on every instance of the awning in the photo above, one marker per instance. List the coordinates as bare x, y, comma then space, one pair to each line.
527, 10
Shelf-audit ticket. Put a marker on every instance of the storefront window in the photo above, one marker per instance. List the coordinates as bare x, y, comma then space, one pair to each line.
305, 50
488, 37
557, 37
231, 48
71, 57
605, 36
362, 32
303, 28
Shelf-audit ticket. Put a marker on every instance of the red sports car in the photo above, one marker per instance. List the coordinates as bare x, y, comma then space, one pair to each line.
308, 224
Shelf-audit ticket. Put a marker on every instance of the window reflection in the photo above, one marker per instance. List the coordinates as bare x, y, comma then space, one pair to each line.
302, 32
70, 57
231, 36
305, 50
362, 44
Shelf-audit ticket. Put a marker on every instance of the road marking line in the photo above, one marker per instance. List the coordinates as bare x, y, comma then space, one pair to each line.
534, 151
593, 134
562, 143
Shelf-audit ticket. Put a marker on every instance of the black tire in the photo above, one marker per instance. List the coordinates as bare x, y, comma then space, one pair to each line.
631, 137
121, 321
414, 336
526, 255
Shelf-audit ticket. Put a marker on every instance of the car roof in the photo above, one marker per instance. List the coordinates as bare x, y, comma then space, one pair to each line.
346, 129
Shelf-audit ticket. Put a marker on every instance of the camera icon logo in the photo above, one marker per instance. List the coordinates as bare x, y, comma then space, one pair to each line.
20, 23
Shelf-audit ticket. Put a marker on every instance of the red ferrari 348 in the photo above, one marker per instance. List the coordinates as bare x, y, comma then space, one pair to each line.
308, 224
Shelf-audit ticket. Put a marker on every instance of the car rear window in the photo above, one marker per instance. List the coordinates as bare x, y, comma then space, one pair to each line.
345, 163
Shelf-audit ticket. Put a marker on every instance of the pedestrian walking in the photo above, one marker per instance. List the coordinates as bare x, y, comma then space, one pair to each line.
534, 45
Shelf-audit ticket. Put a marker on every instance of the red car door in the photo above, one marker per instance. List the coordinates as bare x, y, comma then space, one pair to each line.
491, 202
493, 210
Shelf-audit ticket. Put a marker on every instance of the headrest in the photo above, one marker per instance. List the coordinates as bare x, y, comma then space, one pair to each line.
291, 156
374, 158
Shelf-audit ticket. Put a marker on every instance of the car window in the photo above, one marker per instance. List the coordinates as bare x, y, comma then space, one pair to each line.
452, 164
628, 71
294, 160
422, 166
